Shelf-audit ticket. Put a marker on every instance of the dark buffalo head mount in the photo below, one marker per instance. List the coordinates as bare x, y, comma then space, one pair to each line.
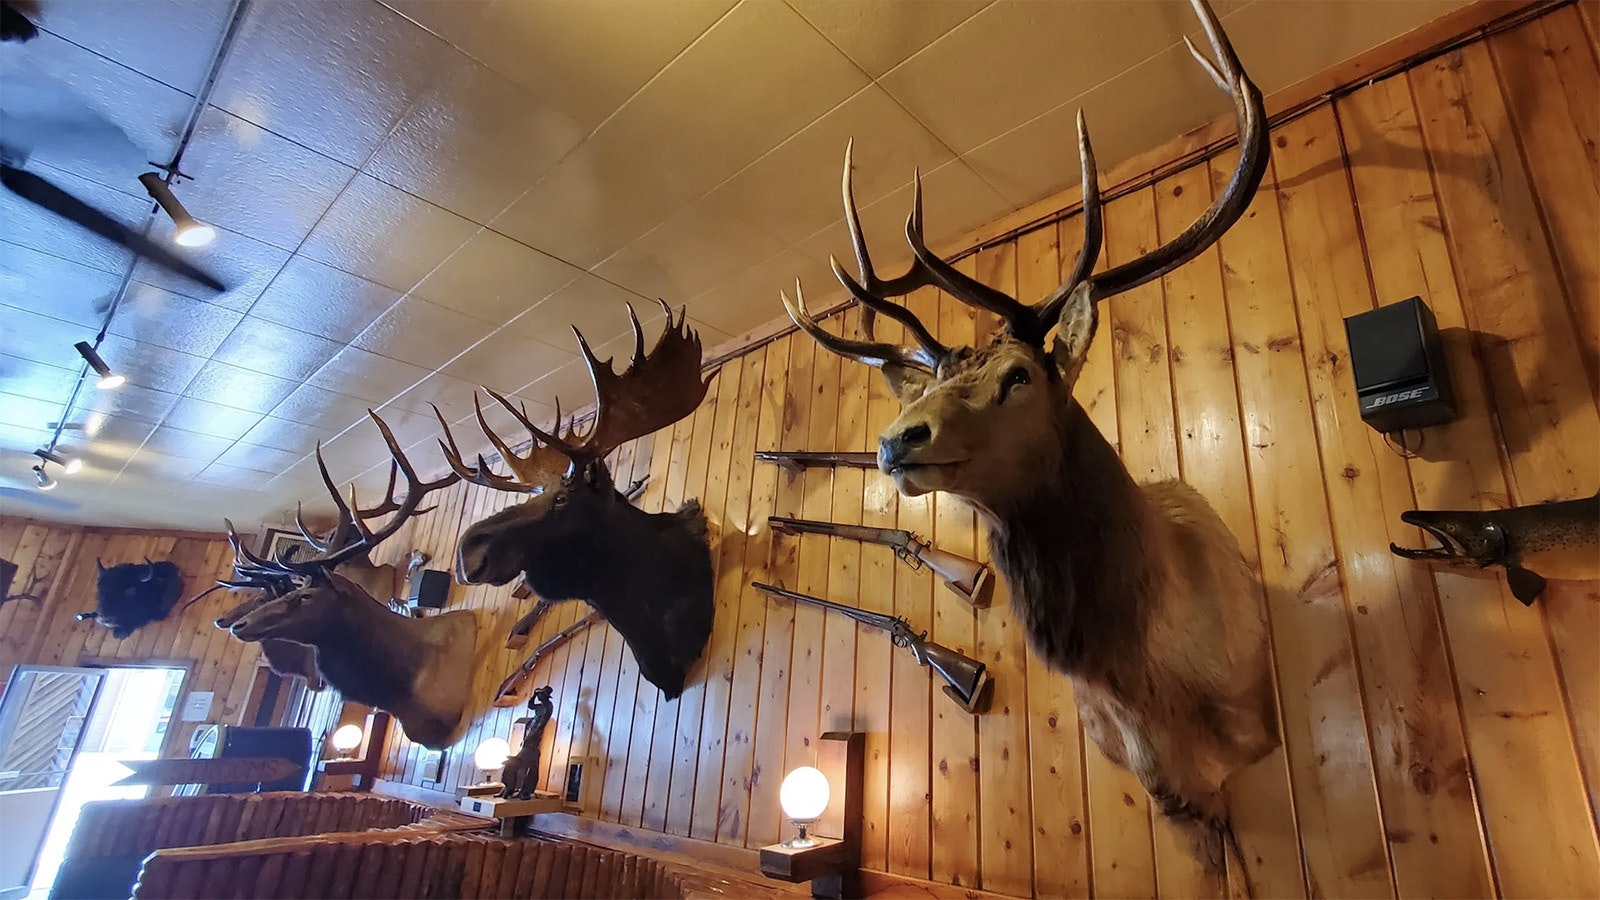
577, 537
133, 595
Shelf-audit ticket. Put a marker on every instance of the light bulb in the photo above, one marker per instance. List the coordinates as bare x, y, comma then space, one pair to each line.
110, 382
347, 738
804, 794
492, 754
194, 234
74, 466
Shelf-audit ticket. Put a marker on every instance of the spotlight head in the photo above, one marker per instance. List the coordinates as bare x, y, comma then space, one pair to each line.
108, 378
187, 230
70, 465
46, 483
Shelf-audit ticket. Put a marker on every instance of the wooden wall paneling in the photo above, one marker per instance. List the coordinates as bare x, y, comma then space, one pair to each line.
65, 638
708, 481
1331, 766
874, 661
1511, 294
1548, 76
635, 696
912, 694
653, 711
1121, 844
811, 577
1146, 421
1423, 779
1212, 459
25, 543
778, 646
751, 676
1004, 804
1055, 744
728, 491
841, 635
1589, 12
566, 680
957, 829
689, 481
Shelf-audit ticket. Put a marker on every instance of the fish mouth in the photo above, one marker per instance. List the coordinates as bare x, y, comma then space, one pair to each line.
1449, 548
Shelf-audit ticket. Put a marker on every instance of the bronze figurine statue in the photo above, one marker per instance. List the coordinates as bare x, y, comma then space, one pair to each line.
521, 773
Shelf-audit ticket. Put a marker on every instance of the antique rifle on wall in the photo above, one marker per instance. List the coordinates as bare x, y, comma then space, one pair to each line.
967, 681
967, 578
795, 460
510, 691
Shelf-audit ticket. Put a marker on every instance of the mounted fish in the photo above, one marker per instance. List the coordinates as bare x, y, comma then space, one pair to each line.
577, 537
133, 595
1532, 543
419, 670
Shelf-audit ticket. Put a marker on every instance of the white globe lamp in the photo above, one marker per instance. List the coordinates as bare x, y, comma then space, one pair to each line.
347, 739
491, 757
804, 796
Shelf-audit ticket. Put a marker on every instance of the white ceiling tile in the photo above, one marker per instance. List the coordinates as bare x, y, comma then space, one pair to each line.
493, 278
1016, 59
689, 253
40, 381
422, 333
311, 297
149, 366
252, 181
180, 444
239, 388
256, 458
794, 190
170, 320
474, 143
327, 411
593, 305
245, 265
210, 419
64, 289
361, 66
29, 225
27, 412
385, 235
129, 402
585, 59
455, 20
357, 373
170, 41
452, 395
710, 336
505, 360
881, 34
223, 475
263, 346
284, 434
750, 298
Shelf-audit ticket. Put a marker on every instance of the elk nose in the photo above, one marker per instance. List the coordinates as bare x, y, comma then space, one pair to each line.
892, 450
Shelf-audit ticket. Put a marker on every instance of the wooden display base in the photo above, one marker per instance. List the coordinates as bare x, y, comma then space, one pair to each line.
828, 864
508, 811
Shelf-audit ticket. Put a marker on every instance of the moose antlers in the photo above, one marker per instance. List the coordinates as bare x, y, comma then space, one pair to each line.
1031, 324
656, 389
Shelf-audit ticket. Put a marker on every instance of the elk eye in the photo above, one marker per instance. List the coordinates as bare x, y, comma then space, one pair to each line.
1017, 376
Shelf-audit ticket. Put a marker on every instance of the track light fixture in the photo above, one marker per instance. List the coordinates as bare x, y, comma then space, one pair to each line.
46, 483
70, 465
108, 378
187, 231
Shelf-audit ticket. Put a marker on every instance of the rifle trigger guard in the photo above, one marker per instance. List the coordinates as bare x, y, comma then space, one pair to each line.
910, 558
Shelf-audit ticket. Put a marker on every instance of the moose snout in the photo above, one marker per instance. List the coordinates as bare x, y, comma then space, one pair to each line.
895, 447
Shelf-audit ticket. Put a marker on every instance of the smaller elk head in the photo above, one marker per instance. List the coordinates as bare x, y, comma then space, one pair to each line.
973, 420
133, 595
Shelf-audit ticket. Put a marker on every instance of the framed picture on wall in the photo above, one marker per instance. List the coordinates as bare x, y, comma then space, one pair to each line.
276, 541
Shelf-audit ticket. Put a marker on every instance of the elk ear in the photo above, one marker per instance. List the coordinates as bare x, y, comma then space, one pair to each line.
1074, 332
344, 585
905, 383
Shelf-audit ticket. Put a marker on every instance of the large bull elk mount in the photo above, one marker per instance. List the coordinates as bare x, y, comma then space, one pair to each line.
1138, 593
577, 537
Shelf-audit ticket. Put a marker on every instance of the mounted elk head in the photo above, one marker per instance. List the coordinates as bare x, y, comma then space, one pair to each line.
132, 595
578, 537
420, 670
1140, 594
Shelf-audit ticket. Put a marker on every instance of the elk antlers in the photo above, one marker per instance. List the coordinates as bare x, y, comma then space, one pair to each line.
656, 389
1031, 324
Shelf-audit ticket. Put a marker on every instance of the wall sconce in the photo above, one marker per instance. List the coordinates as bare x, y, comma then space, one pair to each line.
347, 739
70, 465
108, 379
46, 483
187, 231
825, 803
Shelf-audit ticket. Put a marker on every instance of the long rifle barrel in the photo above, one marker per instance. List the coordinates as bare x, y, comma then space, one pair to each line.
509, 692
860, 615
795, 460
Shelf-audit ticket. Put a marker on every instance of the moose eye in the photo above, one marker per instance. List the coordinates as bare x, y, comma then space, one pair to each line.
1017, 376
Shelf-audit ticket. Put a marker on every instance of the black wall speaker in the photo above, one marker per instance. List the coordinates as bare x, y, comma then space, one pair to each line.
430, 589
1399, 367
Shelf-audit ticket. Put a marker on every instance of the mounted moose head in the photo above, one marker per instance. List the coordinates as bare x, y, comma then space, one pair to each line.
133, 595
420, 670
1141, 595
578, 537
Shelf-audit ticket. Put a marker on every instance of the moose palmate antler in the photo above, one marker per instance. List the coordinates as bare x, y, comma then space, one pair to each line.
1032, 323
656, 389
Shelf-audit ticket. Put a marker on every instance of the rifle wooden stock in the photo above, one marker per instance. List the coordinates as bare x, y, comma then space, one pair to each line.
513, 689
968, 578
518, 638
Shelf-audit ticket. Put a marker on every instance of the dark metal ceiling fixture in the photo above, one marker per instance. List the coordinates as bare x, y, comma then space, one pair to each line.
187, 231
46, 483
108, 378
70, 465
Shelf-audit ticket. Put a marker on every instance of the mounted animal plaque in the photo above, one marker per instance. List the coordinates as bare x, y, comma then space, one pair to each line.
132, 595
